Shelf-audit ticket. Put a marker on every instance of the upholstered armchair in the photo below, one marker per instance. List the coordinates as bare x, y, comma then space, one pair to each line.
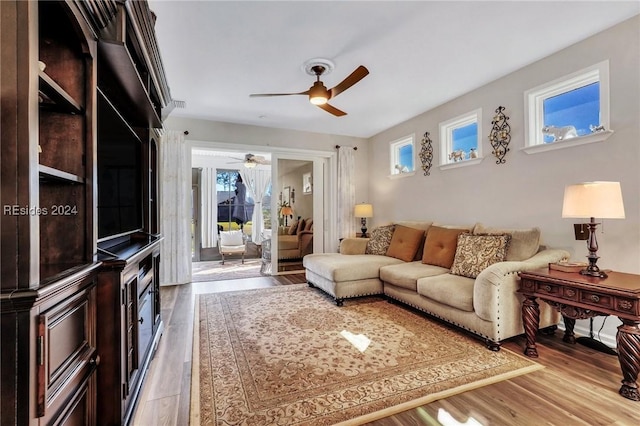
232, 242
295, 244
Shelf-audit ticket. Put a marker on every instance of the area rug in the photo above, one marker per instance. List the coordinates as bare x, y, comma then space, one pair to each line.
233, 269
288, 356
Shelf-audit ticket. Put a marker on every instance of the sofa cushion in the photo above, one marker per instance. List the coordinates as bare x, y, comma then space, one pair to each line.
293, 228
308, 225
450, 290
524, 242
474, 253
353, 245
407, 274
404, 243
380, 240
338, 267
287, 242
440, 246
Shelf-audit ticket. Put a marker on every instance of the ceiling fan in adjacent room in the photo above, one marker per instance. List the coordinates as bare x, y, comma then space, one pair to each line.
250, 160
318, 94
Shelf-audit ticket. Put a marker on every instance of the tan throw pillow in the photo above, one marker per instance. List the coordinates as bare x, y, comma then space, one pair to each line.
440, 246
524, 242
475, 253
380, 240
405, 243
293, 228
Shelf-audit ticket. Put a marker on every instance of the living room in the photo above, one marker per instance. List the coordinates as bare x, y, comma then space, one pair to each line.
90, 337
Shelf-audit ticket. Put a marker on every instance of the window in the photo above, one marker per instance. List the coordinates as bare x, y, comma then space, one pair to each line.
569, 111
402, 156
460, 143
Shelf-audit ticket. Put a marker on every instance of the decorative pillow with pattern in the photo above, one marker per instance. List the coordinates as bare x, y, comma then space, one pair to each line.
474, 253
380, 240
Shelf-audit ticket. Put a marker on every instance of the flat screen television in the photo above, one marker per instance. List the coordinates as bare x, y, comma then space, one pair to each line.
119, 170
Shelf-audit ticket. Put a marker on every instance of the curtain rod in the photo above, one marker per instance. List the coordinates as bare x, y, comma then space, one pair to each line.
355, 148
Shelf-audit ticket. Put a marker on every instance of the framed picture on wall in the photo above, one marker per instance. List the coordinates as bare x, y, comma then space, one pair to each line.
307, 183
286, 196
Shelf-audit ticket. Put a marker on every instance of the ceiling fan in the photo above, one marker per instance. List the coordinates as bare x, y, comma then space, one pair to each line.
319, 95
250, 160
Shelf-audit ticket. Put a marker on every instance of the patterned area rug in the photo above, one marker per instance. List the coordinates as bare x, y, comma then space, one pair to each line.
232, 269
288, 355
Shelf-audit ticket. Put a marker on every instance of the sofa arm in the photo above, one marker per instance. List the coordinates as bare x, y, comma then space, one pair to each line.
353, 245
305, 242
498, 283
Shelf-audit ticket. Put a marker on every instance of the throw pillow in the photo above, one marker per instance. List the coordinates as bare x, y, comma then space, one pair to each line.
308, 226
405, 243
380, 239
440, 246
474, 253
300, 227
293, 228
524, 242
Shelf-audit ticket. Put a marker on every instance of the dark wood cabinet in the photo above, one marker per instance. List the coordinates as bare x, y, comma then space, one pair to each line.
82, 87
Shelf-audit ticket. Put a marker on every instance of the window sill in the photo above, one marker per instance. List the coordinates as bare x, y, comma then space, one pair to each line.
401, 175
463, 163
581, 140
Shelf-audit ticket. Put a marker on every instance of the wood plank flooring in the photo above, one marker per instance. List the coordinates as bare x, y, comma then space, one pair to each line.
579, 386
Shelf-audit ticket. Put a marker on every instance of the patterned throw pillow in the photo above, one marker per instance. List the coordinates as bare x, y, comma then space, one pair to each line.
380, 240
475, 253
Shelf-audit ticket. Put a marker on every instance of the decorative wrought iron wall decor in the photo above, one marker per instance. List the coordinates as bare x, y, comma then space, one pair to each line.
500, 135
426, 154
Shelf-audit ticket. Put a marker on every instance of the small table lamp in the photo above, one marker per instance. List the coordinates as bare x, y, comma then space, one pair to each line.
363, 211
593, 199
286, 211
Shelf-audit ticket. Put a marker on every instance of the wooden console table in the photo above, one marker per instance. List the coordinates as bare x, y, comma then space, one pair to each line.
577, 296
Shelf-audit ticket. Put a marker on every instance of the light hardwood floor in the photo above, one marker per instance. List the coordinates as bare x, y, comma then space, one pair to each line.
579, 386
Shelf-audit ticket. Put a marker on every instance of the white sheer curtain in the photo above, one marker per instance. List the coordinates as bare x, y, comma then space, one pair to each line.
346, 192
175, 217
209, 207
257, 181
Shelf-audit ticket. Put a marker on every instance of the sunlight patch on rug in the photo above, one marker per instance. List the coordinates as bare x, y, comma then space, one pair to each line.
278, 356
232, 269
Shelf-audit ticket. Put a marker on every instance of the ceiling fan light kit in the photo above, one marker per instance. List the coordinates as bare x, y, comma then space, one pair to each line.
318, 94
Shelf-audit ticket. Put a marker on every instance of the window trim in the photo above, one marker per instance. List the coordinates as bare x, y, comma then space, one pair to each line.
534, 114
446, 142
394, 147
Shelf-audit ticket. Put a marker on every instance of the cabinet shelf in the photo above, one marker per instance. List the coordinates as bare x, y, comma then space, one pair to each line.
50, 174
55, 97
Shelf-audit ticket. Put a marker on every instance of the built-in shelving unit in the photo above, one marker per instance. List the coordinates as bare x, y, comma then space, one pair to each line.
83, 90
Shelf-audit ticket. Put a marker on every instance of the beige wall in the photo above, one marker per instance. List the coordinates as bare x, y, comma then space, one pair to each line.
528, 189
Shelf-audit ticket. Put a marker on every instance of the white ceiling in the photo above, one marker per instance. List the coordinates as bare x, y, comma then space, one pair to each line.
420, 54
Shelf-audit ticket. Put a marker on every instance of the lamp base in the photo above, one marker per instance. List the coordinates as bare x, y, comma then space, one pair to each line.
594, 273
364, 232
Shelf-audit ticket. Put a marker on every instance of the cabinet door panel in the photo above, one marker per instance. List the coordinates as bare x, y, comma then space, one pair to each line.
66, 347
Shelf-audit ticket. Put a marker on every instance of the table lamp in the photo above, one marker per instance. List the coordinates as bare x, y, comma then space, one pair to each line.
286, 211
363, 211
593, 199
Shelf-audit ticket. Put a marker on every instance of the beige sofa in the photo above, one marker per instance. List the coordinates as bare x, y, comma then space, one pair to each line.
461, 288
295, 241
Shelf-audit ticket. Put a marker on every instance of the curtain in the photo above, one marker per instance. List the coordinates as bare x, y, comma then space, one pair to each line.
209, 207
257, 181
175, 206
346, 192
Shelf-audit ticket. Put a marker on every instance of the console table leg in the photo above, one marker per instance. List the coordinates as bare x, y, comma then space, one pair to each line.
628, 342
530, 320
569, 337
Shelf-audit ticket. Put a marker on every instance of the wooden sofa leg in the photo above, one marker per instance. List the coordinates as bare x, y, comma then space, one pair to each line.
222, 258
549, 331
492, 346
339, 301
310, 284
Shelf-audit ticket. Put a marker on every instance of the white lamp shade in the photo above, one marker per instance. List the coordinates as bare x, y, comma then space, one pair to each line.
593, 199
363, 210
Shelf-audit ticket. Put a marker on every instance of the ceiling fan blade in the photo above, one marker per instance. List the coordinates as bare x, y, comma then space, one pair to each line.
262, 95
360, 73
332, 110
